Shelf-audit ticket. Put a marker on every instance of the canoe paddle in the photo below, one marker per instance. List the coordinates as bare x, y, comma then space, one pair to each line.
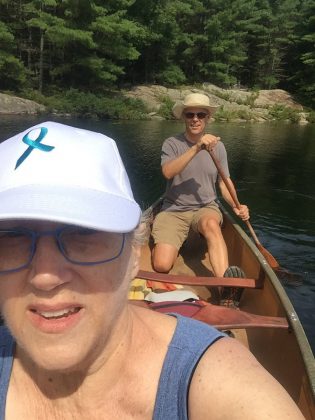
267, 255
282, 273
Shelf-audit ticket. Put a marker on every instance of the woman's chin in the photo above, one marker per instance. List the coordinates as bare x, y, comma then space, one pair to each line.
63, 360
54, 353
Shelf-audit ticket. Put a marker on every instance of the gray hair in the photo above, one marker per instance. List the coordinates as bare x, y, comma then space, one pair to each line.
140, 236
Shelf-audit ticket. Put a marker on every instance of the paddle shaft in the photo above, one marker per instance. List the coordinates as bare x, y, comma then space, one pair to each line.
269, 257
233, 195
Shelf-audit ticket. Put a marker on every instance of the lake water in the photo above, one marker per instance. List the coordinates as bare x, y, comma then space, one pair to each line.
272, 166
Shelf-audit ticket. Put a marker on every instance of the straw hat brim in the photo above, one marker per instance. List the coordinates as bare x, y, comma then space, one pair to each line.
179, 107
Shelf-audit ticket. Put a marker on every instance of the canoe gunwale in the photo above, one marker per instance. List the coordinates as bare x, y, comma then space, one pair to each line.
293, 318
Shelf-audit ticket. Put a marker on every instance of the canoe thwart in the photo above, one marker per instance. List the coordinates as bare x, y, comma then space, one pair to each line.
228, 318
201, 281
219, 317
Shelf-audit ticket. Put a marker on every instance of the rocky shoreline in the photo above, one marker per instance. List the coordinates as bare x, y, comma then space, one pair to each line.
13, 105
234, 104
254, 106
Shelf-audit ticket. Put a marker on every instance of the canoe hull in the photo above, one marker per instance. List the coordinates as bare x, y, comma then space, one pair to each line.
285, 353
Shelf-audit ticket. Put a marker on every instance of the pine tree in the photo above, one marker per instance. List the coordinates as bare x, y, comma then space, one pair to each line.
302, 54
222, 47
269, 40
12, 70
167, 40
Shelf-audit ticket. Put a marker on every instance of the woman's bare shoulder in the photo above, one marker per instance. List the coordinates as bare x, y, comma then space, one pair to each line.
230, 383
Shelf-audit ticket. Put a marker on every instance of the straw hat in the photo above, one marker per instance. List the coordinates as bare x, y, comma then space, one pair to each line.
195, 100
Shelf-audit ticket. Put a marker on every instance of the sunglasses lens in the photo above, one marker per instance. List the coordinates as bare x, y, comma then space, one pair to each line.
199, 115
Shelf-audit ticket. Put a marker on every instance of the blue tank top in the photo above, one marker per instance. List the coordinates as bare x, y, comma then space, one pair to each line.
190, 340
6, 361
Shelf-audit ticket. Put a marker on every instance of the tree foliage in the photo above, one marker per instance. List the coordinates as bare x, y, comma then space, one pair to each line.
52, 45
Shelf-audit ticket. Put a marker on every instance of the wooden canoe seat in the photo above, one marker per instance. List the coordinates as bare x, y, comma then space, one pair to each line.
201, 281
218, 316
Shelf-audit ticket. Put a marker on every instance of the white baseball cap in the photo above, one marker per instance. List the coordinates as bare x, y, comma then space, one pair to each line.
64, 174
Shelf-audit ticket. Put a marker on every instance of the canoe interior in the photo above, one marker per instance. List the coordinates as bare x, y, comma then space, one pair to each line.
285, 353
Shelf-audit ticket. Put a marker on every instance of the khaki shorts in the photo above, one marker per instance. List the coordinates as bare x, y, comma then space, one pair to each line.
172, 227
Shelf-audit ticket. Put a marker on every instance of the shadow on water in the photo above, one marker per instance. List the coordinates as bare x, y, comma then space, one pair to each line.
272, 166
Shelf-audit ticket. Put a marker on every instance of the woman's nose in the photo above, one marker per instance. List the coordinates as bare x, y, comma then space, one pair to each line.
49, 269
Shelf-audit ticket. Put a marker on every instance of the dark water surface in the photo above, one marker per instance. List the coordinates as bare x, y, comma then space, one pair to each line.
272, 166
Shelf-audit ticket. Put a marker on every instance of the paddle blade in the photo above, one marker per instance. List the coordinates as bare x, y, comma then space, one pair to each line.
268, 257
295, 279
290, 278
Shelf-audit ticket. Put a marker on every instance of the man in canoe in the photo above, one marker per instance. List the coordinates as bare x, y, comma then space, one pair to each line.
190, 198
72, 346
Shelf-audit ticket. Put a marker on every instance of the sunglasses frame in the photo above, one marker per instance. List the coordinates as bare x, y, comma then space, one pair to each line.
191, 115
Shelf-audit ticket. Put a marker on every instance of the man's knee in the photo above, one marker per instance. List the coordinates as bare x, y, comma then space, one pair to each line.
209, 226
162, 266
163, 257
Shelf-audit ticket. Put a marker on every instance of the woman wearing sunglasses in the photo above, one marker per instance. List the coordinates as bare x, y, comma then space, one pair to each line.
71, 345
190, 198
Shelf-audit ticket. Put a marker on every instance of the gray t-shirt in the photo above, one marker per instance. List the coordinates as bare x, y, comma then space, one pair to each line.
194, 187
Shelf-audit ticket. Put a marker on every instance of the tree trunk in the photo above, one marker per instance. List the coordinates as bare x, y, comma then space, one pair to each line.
41, 62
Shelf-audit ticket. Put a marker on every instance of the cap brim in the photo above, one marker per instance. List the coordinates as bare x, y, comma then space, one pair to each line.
76, 206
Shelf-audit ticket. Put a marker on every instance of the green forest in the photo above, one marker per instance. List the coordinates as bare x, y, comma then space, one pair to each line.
48, 47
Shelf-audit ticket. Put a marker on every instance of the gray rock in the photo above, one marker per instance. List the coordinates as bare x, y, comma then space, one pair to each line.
250, 105
267, 98
14, 105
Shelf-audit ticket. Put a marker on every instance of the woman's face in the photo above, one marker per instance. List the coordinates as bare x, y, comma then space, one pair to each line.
62, 315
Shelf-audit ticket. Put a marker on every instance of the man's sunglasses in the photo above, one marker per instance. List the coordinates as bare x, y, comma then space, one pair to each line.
199, 115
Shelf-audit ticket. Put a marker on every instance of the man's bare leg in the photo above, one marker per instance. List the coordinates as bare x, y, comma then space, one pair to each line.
163, 257
209, 227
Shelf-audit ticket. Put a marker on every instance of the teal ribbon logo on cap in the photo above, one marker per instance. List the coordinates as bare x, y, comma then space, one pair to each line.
34, 144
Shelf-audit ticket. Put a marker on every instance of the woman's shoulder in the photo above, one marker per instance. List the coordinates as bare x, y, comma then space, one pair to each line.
230, 383
175, 329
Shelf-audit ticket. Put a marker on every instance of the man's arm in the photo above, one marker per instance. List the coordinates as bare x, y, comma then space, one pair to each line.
175, 166
243, 211
229, 383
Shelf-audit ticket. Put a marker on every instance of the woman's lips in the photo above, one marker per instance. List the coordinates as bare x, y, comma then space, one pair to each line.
57, 314
55, 320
